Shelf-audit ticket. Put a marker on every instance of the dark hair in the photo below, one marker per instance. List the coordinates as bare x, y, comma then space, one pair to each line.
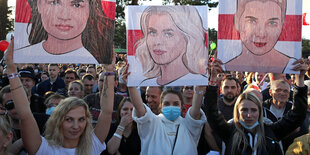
172, 91
97, 36
88, 77
71, 71
119, 108
3, 91
231, 79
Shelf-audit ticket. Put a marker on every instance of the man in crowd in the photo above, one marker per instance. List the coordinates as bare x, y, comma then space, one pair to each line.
279, 105
91, 69
29, 80
188, 94
54, 83
89, 82
229, 94
152, 97
93, 100
70, 75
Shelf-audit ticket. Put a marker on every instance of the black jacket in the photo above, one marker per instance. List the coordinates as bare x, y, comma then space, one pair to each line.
273, 132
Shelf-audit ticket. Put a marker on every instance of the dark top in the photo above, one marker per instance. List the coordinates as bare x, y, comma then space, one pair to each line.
93, 101
273, 132
287, 141
226, 110
128, 146
46, 85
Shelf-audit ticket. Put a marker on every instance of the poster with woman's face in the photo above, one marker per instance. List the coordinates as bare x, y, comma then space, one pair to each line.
259, 35
167, 45
64, 31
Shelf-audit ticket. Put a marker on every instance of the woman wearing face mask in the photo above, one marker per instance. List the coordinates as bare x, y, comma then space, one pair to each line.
248, 133
51, 102
168, 132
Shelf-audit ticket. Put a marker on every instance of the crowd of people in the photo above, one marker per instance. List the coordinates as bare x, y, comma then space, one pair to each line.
88, 109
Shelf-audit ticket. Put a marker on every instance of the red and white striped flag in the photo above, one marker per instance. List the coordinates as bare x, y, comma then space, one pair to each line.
65, 31
144, 59
253, 27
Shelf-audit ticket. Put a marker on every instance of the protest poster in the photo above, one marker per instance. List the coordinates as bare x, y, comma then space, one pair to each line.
167, 45
64, 31
259, 35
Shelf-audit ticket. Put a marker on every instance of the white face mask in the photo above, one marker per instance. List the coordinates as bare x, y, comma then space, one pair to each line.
246, 126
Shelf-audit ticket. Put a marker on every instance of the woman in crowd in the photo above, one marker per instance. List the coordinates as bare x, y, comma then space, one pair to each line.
51, 102
125, 139
76, 89
174, 49
168, 132
248, 134
6, 134
69, 129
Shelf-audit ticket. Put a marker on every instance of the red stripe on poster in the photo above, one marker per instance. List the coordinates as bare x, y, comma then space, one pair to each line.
109, 9
226, 28
291, 28
133, 36
23, 11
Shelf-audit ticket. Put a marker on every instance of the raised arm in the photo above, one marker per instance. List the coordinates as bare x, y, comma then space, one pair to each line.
29, 129
215, 120
134, 95
197, 101
106, 103
294, 117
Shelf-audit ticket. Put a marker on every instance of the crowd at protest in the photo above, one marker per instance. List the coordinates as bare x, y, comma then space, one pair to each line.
88, 109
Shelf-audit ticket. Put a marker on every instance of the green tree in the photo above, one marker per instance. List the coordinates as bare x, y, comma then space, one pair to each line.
192, 2
305, 48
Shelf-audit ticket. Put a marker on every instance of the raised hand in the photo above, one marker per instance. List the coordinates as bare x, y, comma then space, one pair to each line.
126, 119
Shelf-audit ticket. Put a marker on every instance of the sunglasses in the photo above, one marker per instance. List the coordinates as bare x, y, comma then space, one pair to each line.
3, 111
191, 88
9, 105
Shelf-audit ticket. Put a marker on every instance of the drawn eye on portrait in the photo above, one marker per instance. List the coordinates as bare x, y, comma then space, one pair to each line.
259, 35
170, 46
64, 31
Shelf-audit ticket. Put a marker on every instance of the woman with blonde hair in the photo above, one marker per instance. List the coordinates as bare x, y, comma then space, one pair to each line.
76, 89
69, 129
248, 133
174, 50
6, 135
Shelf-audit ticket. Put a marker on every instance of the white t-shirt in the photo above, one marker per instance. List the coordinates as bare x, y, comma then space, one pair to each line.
37, 54
157, 133
46, 149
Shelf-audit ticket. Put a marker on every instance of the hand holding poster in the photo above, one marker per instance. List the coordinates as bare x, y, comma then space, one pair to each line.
64, 31
260, 35
167, 45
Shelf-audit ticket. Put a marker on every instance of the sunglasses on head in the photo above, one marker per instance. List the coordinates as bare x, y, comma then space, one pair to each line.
9, 105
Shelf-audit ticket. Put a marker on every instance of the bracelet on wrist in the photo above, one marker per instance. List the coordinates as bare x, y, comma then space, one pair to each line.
117, 135
12, 89
13, 75
109, 73
120, 128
